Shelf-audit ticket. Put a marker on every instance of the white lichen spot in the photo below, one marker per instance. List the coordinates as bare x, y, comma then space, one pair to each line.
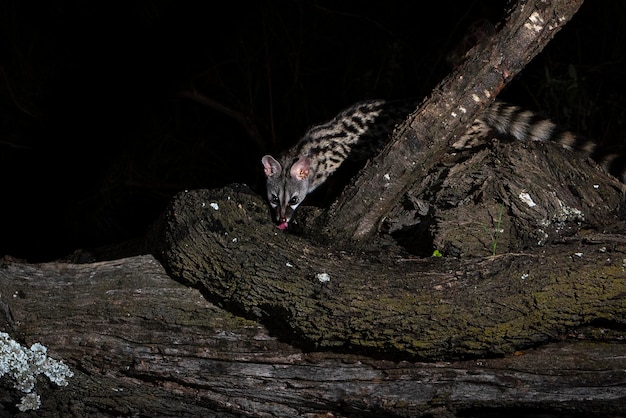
596, 186
322, 277
214, 205
453, 114
234, 239
288, 264
475, 98
462, 109
23, 365
542, 237
525, 197
536, 22
203, 204
525, 276
569, 214
29, 402
487, 94
386, 177
579, 255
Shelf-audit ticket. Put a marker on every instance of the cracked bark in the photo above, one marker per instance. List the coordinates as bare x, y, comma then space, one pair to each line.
140, 343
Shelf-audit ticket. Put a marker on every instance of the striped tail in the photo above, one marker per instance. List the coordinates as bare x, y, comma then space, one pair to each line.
524, 125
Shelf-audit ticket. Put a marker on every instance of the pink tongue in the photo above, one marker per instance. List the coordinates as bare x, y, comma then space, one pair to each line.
283, 226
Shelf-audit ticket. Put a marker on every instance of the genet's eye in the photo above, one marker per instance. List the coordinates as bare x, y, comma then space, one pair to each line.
293, 201
274, 199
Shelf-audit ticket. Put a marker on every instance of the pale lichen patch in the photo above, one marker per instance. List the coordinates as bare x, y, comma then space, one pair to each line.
525, 197
535, 22
323, 277
23, 365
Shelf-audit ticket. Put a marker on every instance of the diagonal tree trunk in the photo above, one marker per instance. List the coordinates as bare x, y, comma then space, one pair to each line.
422, 140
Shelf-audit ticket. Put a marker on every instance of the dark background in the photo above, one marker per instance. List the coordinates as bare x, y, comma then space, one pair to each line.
98, 131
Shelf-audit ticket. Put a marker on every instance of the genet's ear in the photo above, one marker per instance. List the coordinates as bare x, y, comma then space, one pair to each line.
300, 169
270, 166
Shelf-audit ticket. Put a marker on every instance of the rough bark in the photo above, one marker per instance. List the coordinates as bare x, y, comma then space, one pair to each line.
422, 140
141, 344
476, 203
383, 302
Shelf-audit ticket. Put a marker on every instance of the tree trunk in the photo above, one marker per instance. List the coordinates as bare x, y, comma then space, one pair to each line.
423, 140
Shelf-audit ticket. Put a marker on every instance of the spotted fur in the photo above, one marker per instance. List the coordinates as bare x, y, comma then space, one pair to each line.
359, 131
356, 133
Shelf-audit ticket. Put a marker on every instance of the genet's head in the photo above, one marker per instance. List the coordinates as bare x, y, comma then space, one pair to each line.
286, 189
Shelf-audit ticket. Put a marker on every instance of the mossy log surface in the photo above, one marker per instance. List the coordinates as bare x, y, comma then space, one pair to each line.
141, 344
384, 302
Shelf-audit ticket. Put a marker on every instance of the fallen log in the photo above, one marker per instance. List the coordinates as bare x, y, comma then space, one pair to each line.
139, 343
